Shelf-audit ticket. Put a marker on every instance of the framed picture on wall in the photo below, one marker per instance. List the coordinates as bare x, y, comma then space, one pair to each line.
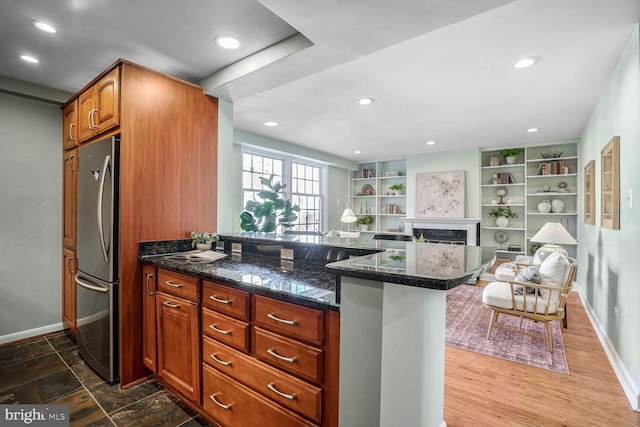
590, 193
610, 182
440, 194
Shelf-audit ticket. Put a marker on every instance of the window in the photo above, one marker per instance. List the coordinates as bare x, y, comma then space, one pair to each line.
304, 184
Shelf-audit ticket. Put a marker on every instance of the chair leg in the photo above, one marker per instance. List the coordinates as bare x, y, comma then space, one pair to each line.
564, 319
494, 318
547, 325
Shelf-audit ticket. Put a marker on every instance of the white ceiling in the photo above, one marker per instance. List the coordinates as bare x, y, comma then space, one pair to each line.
438, 69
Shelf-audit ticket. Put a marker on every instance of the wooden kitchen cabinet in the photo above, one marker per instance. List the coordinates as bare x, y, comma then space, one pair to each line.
70, 126
99, 106
69, 264
178, 337
168, 174
69, 197
149, 344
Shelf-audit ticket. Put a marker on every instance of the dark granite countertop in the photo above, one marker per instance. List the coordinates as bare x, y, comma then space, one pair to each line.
298, 282
426, 265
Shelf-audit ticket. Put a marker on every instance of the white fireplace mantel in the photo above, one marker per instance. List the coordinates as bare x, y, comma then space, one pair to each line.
440, 220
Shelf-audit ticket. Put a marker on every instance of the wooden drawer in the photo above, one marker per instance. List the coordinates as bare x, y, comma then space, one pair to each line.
290, 319
289, 391
224, 328
290, 355
226, 299
178, 284
233, 404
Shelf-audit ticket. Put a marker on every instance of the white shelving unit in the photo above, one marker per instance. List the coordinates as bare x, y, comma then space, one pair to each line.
384, 205
535, 178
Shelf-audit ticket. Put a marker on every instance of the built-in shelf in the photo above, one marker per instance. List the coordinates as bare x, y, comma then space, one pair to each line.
533, 174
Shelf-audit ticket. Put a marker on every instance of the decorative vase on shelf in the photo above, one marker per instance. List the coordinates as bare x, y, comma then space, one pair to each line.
511, 160
364, 227
203, 246
557, 205
502, 221
544, 206
494, 160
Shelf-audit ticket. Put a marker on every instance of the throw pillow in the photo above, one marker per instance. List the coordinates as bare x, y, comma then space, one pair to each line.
529, 275
554, 269
524, 259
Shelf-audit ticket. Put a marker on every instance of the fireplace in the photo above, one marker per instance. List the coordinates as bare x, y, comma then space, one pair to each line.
460, 231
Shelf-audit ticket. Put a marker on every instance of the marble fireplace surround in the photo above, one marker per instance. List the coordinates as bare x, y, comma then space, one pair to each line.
470, 225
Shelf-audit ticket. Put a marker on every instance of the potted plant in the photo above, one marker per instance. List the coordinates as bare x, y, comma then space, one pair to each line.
364, 222
502, 214
396, 189
510, 154
203, 240
272, 211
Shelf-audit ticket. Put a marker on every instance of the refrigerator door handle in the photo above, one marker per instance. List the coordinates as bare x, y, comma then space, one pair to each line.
91, 287
103, 246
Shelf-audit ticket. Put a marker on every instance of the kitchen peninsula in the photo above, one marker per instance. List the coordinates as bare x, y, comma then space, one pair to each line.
375, 317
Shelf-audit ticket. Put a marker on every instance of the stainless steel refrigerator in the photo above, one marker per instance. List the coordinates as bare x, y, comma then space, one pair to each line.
98, 252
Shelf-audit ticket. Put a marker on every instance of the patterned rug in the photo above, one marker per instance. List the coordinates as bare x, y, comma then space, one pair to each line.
468, 322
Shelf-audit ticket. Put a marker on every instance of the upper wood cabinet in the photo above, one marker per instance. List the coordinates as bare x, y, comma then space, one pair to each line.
99, 106
70, 125
69, 197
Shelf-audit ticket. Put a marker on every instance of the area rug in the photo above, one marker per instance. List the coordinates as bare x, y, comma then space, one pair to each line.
468, 322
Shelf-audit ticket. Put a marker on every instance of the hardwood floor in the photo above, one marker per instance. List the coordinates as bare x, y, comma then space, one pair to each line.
485, 391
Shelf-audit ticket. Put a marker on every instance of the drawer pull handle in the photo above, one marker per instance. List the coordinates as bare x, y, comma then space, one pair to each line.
222, 362
221, 301
173, 285
149, 276
220, 331
168, 304
223, 406
273, 388
273, 316
272, 352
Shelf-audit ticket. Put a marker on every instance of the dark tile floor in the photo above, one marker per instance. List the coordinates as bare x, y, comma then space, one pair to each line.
49, 370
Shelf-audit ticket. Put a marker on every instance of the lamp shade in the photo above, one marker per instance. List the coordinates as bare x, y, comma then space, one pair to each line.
553, 232
348, 216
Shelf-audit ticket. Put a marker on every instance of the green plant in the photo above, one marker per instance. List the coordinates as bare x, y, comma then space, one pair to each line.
510, 152
396, 258
365, 220
272, 211
504, 211
203, 237
397, 187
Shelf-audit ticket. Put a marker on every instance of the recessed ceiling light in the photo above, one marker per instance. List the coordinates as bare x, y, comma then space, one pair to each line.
28, 58
227, 42
357, 152
44, 27
532, 130
365, 101
525, 62
271, 124
431, 143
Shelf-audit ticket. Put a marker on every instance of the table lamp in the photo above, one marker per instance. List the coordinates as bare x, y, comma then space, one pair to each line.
553, 234
348, 215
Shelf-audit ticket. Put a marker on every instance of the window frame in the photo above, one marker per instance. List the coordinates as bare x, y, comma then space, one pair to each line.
287, 172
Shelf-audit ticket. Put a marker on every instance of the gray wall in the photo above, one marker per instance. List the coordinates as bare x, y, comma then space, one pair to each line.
30, 216
608, 259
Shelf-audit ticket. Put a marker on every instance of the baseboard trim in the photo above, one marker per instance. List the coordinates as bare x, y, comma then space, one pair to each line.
16, 336
630, 387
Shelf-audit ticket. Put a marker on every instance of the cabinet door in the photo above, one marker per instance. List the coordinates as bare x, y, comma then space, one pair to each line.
70, 125
149, 347
86, 114
69, 196
178, 344
108, 101
69, 263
